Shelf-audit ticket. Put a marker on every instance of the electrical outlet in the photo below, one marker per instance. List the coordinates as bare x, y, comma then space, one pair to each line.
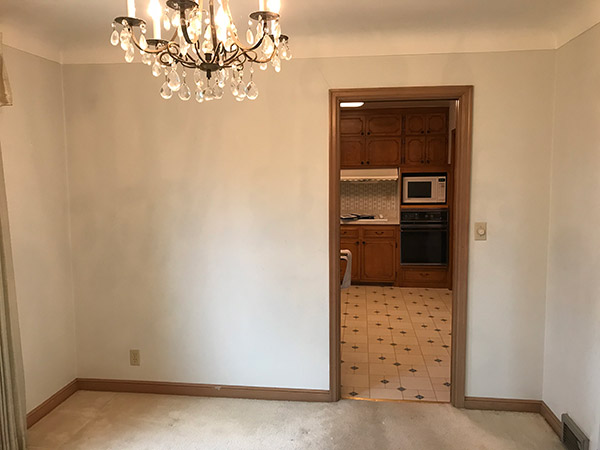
134, 357
481, 231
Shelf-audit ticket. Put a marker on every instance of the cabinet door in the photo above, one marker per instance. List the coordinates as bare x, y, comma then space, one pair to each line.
384, 125
383, 151
437, 123
352, 126
416, 124
379, 260
437, 151
354, 246
351, 151
414, 150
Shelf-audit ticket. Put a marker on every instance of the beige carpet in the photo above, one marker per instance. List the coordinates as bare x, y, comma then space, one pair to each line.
100, 420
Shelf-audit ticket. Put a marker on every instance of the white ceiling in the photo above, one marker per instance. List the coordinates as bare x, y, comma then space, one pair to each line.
78, 30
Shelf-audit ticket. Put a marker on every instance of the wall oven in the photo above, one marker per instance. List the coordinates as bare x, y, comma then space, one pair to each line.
424, 189
424, 237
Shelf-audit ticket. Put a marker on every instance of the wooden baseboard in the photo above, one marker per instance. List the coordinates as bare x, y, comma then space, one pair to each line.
506, 404
551, 418
503, 404
42, 410
204, 390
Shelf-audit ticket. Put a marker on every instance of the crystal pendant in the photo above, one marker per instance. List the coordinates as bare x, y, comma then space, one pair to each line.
114, 38
165, 91
263, 66
240, 98
143, 42
283, 52
185, 93
166, 22
241, 88
156, 68
198, 77
125, 39
268, 46
174, 80
221, 77
199, 96
234, 88
276, 64
218, 91
208, 94
130, 53
250, 36
277, 31
252, 91
147, 58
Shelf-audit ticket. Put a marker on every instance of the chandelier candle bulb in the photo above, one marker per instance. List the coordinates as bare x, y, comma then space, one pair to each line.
155, 11
130, 8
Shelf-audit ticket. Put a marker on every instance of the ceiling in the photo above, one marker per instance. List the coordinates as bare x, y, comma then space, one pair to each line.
77, 31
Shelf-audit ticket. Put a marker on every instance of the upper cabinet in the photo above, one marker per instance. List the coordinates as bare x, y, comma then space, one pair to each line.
392, 138
352, 126
384, 125
426, 123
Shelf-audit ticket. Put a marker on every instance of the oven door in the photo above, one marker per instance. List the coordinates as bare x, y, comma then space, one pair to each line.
424, 245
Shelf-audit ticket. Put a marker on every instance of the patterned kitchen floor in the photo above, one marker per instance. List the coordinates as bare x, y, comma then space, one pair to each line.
396, 343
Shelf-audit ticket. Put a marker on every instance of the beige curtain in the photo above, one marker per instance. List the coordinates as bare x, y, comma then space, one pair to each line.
13, 426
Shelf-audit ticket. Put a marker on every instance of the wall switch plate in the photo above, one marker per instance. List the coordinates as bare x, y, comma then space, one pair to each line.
134, 357
481, 231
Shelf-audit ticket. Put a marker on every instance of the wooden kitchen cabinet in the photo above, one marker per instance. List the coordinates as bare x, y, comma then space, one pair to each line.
394, 138
352, 152
425, 151
424, 123
383, 151
353, 125
384, 125
427, 277
374, 252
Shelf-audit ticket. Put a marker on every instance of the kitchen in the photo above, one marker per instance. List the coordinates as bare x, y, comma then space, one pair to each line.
396, 206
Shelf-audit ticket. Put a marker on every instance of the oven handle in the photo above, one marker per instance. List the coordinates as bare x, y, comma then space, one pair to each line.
424, 227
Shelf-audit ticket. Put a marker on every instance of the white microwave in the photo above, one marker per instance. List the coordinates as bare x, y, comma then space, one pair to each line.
424, 189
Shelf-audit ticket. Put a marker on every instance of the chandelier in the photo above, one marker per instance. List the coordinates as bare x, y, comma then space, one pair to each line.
204, 40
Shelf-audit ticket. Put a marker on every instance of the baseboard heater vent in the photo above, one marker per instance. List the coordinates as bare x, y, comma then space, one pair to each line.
572, 436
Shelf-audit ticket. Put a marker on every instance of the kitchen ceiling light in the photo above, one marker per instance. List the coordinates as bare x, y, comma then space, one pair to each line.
351, 104
204, 40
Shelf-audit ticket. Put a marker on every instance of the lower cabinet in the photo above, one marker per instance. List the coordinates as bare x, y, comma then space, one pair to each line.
376, 259
432, 277
374, 252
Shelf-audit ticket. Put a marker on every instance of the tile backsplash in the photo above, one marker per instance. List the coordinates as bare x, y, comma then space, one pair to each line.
377, 197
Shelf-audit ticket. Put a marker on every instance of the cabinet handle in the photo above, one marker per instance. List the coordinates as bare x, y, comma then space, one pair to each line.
422, 161
379, 232
368, 133
423, 274
427, 161
364, 242
357, 243
362, 162
368, 162
422, 132
362, 133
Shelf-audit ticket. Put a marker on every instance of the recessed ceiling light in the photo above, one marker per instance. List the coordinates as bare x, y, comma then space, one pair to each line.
351, 104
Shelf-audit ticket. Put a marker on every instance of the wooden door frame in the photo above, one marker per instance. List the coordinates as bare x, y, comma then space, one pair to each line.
461, 160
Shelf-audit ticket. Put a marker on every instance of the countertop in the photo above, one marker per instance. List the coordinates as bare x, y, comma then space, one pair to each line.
370, 222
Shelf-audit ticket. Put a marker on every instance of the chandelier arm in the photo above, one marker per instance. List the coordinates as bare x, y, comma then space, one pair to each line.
184, 28
213, 29
199, 52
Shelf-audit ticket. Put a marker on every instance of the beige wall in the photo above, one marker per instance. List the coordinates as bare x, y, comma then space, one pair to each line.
200, 231
33, 152
572, 359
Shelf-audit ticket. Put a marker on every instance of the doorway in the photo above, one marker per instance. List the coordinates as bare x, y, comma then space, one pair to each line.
380, 293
